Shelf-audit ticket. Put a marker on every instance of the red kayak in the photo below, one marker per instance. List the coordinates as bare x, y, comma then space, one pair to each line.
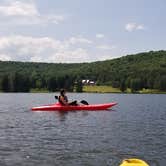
59, 107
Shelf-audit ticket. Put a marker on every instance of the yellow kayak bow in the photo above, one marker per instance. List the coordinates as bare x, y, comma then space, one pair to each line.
133, 162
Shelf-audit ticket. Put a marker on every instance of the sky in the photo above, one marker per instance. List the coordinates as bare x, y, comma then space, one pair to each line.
72, 31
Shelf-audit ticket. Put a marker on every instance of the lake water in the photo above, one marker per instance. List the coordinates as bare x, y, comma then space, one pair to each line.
136, 127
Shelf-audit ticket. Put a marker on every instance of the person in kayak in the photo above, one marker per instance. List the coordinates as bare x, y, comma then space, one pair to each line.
64, 100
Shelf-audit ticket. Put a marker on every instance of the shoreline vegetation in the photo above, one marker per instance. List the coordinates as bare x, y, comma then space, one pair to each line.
110, 89
106, 89
97, 89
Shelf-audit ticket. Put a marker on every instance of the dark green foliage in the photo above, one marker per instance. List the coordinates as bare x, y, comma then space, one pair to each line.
123, 86
5, 83
144, 70
162, 85
79, 86
135, 84
52, 84
55, 84
20, 83
15, 83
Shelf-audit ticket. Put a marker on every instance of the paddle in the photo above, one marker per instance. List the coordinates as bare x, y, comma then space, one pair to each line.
82, 101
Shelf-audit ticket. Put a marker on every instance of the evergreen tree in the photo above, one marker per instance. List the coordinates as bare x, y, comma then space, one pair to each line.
52, 84
79, 86
135, 85
5, 84
123, 86
163, 83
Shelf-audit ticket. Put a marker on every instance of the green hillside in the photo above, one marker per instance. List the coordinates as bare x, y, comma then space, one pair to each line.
143, 70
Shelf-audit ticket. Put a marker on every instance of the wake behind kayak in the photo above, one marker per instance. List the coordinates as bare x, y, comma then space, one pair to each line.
59, 107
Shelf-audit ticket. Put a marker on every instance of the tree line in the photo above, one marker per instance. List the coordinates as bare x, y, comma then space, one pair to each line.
143, 70
17, 82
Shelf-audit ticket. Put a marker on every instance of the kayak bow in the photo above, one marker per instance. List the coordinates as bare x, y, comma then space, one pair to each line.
133, 162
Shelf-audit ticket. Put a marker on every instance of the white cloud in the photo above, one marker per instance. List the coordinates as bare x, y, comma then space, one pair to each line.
76, 40
42, 49
19, 8
99, 35
21, 12
134, 26
106, 47
71, 56
4, 57
107, 56
140, 27
47, 49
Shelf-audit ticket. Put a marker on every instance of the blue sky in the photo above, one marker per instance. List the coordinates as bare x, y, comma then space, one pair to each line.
80, 30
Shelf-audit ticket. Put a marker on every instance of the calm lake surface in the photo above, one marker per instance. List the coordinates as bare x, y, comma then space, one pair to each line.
136, 127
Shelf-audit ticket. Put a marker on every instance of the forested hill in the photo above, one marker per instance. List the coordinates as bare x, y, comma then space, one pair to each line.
144, 70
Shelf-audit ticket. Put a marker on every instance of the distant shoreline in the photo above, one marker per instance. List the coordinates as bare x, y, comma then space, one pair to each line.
110, 89
100, 89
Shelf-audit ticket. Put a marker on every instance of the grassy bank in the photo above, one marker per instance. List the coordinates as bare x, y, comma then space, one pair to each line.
151, 91
101, 89
110, 89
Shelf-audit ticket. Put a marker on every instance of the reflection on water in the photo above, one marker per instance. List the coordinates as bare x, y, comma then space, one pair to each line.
62, 115
135, 128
